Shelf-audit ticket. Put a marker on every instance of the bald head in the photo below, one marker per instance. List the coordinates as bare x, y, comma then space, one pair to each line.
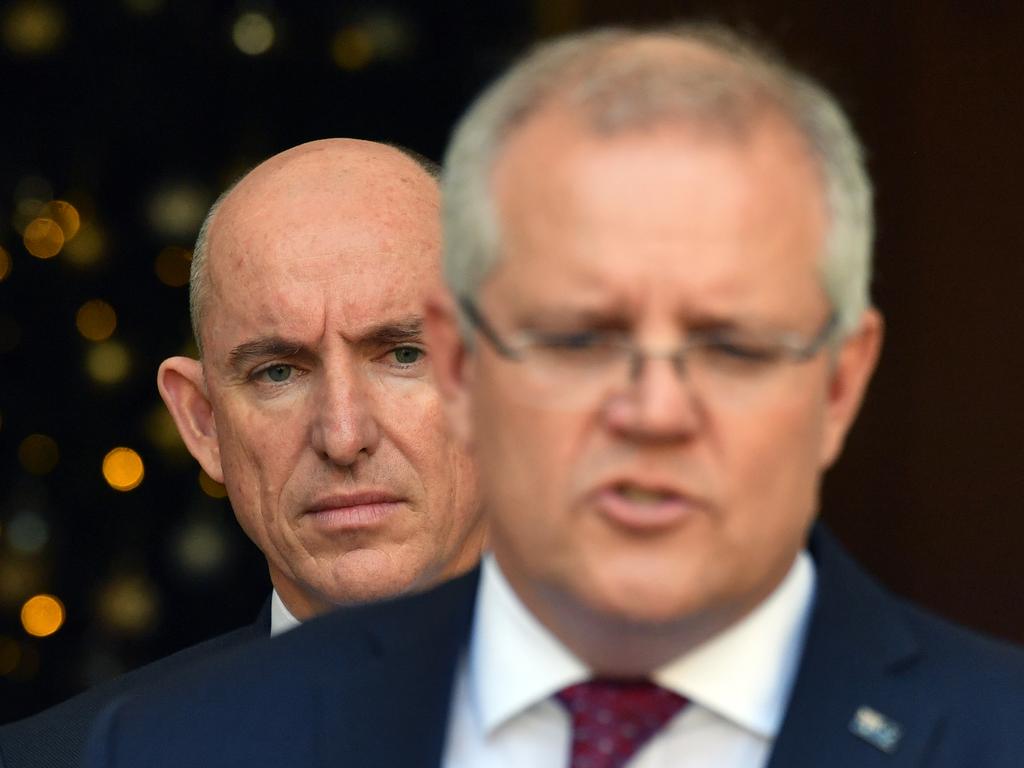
330, 174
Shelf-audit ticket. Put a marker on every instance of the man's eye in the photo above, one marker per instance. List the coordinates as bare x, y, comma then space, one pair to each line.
407, 355
278, 373
569, 342
742, 351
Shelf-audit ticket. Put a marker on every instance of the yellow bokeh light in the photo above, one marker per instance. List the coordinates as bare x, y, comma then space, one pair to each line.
123, 469
42, 615
33, 27
211, 487
43, 238
86, 250
253, 33
38, 454
108, 362
172, 266
96, 320
352, 47
65, 215
5, 264
129, 604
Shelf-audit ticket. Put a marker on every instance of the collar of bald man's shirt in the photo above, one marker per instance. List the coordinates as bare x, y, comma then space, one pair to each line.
281, 619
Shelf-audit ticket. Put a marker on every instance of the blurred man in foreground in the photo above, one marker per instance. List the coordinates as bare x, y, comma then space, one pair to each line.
659, 249
313, 401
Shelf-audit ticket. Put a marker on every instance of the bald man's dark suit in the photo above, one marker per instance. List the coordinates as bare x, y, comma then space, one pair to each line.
371, 688
55, 738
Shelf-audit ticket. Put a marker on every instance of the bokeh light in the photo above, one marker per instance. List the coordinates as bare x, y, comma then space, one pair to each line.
128, 604
381, 36
172, 266
96, 320
253, 33
5, 264
10, 655
123, 469
108, 362
87, 249
352, 47
42, 615
176, 210
200, 548
27, 532
38, 454
43, 238
211, 487
32, 27
66, 217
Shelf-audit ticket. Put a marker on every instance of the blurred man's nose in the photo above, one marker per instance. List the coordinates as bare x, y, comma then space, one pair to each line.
658, 404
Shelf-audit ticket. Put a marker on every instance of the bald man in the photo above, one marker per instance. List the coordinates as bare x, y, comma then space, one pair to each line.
312, 400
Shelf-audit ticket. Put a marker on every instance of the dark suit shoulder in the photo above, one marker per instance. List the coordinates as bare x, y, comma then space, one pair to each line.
56, 737
323, 688
883, 682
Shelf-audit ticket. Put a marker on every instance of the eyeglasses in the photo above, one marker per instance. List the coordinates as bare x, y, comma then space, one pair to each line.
573, 368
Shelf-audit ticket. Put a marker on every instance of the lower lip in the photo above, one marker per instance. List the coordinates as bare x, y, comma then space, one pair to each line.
356, 516
644, 516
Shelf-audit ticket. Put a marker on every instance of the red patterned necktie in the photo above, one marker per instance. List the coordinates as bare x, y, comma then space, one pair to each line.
612, 719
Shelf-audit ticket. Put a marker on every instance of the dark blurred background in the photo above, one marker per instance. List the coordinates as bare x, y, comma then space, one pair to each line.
120, 121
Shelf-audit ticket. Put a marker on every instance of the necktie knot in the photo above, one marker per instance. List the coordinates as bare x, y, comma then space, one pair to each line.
613, 719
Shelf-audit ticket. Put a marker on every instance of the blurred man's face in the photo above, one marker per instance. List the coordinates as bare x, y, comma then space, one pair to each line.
329, 432
673, 497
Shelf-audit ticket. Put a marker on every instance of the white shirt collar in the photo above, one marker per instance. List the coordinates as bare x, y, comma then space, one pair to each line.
743, 674
281, 619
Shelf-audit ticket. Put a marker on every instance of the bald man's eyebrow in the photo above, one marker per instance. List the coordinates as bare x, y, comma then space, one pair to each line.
262, 349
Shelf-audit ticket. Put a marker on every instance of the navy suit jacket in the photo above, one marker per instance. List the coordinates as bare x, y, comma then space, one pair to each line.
881, 684
55, 738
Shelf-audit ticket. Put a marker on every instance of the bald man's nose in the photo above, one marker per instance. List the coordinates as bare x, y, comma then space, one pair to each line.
346, 425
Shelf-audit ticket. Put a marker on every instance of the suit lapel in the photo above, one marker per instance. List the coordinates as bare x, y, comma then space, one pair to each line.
386, 701
851, 704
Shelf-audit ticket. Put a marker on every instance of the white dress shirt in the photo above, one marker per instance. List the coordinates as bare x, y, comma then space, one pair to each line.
738, 684
281, 619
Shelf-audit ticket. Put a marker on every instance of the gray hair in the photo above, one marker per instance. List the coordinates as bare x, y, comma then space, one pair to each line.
199, 277
606, 77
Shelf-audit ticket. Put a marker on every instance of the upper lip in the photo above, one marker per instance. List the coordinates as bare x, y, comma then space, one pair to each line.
354, 499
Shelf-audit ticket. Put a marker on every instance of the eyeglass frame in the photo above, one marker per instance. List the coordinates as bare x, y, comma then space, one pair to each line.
791, 350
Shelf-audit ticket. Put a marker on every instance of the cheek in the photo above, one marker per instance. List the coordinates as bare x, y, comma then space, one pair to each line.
258, 455
772, 464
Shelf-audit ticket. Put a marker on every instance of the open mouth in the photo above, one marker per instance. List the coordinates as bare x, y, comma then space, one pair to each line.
644, 507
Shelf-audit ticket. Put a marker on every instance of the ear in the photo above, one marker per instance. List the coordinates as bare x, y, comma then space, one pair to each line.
183, 388
852, 369
450, 360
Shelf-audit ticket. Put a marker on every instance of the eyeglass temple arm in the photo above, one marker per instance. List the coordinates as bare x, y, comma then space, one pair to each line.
478, 321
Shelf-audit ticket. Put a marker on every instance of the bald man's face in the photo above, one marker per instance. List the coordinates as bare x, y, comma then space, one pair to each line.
329, 431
